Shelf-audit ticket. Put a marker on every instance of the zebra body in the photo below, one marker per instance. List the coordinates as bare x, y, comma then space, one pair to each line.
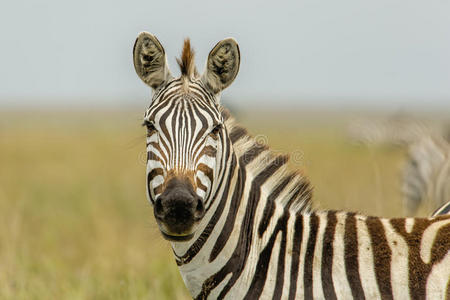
241, 224
322, 254
329, 255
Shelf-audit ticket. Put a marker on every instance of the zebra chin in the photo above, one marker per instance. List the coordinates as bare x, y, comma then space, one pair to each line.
176, 235
177, 238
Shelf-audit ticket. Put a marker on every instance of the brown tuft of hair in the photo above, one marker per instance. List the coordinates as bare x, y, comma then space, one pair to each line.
186, 62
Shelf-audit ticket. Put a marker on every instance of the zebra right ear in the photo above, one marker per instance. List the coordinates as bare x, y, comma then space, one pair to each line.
150, 60
222, 65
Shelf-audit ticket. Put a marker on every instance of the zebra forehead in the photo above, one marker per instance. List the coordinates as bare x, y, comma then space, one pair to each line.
181, 89
184, 108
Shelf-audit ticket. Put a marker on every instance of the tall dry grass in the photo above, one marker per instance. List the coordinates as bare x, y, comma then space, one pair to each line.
74, 221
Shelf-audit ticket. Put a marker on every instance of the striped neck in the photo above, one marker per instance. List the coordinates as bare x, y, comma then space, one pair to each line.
254, 187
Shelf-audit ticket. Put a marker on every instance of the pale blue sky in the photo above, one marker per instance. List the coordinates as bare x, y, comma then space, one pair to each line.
391, 53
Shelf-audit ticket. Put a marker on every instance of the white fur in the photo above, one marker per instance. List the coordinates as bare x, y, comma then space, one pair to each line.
399, 261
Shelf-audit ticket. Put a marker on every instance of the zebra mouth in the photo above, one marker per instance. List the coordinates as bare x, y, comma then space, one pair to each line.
177, 238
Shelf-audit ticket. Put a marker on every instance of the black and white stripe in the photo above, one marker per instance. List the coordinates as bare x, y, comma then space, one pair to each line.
274, 247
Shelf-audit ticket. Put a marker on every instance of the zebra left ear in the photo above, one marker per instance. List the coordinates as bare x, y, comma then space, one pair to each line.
222, 65
150, 60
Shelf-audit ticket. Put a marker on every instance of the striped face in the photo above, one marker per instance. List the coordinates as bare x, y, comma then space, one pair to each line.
185, 131
184, 146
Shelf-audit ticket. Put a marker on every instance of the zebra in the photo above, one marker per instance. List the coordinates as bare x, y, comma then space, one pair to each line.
426, 174
242, 225
398, 130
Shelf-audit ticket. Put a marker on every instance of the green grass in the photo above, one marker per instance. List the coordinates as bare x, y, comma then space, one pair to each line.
74, 220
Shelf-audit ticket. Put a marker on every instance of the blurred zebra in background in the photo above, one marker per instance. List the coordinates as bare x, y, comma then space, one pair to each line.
398, 130
426, 175
426, 172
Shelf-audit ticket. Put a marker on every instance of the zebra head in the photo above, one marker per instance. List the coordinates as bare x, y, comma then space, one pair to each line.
186, 136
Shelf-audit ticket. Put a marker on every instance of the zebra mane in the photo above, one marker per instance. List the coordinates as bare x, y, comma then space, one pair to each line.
293, 189
186, 62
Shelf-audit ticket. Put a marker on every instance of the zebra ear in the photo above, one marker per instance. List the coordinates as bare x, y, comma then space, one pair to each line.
222, 65
150, 60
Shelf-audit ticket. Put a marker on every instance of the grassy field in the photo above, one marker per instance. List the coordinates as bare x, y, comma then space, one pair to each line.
74, 220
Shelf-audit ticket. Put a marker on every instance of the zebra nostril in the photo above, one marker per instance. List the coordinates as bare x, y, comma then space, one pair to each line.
159, 210
199, 209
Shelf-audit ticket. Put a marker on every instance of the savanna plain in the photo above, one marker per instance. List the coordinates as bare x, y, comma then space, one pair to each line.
74, 219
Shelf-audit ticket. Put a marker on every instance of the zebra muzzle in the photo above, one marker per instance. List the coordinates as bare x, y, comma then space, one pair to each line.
178, 209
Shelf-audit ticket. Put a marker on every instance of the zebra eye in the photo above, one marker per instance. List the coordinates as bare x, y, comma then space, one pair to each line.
216, 129
150, 126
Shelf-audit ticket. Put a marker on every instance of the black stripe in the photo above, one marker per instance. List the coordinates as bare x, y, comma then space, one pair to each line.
192, 123
382, 256
155, 172
236, 133
269, 209
153, 156
203, 120
251, 154
309, 256
327, 256
223, 170
296, 247
281, 257
161, 146
162, 125
176, 111
351, 257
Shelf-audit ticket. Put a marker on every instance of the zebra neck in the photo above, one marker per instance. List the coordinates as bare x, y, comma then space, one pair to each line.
256, 191
199, 259
268, 172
